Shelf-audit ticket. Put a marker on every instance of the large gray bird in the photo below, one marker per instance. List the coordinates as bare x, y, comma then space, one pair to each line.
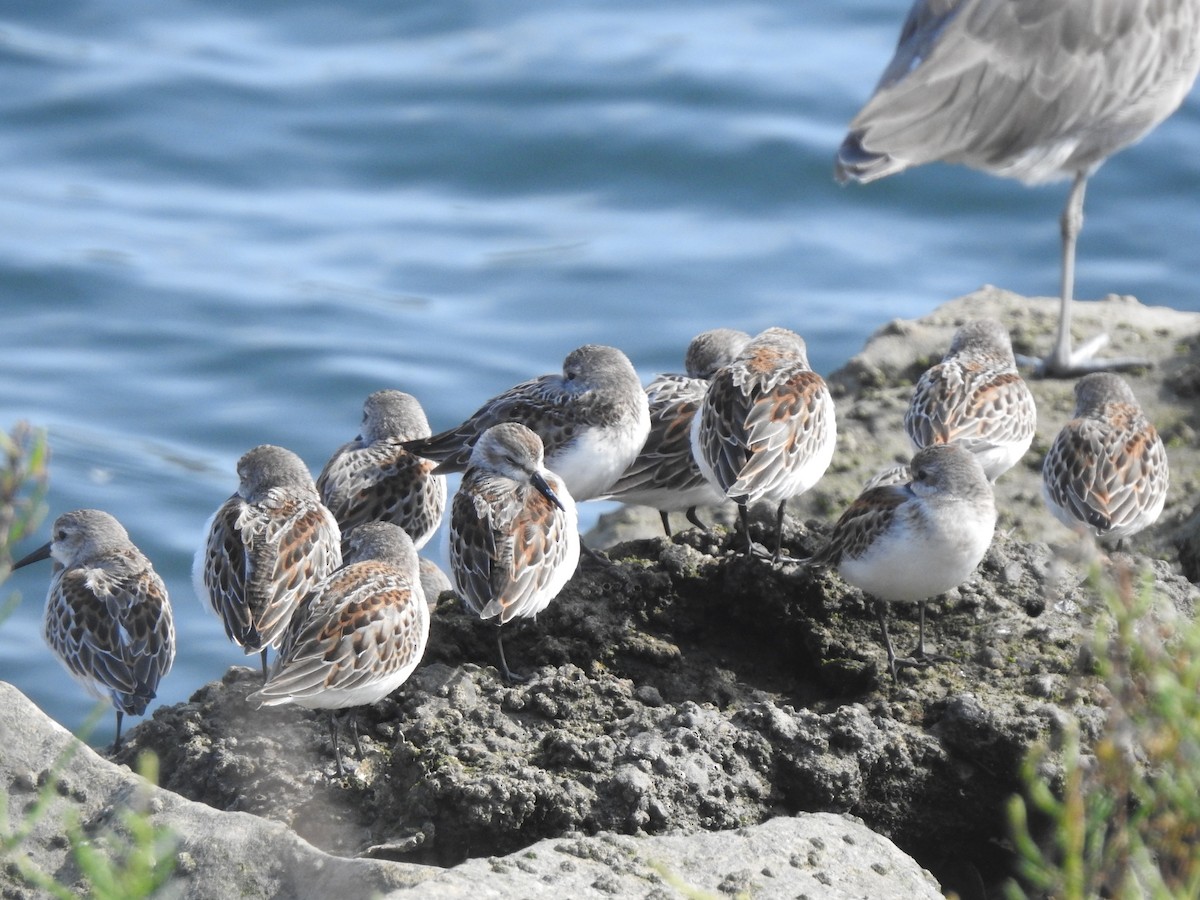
1032, 89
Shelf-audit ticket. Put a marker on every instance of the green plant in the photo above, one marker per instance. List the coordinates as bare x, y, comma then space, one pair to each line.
23, 480
126, 858
1124, 819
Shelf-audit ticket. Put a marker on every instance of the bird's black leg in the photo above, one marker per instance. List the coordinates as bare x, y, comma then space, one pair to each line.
353, 716
921, 657
117, 743
695, 519
779, 532
595, 555
337, 750
881, 615
666, 520
508, 674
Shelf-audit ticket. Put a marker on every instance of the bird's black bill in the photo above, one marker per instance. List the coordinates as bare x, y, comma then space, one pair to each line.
544, 487
37, 555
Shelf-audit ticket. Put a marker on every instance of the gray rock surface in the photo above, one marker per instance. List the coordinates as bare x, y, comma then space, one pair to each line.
821, 856
229, 854
685, 691
220, 854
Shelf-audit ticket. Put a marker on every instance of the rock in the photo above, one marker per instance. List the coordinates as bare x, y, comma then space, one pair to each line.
685, 695
220, 854
821, 855
223, 854
678, 692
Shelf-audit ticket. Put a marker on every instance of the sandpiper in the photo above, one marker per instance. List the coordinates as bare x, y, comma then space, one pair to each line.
514, 535
1106, 472
264, 549
975, 398
665, 475
358, 635
917, 540
374, 479
108, 618
765, 430
592, 420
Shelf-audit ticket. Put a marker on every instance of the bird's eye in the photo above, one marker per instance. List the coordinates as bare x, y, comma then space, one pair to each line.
570, 376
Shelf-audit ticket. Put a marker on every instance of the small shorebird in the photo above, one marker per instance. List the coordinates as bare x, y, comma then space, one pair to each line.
374, 479
1028, 90
108, 618
514, 534
765, 430
1106, 472
665, 475
358, 635
975, 398
917, 540
592, 420
264, 549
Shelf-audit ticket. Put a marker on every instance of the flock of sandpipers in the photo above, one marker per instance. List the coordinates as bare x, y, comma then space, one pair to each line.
325, 572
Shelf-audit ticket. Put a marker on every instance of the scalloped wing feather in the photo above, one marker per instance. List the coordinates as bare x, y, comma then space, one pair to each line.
114, 632
540, 403
863, 521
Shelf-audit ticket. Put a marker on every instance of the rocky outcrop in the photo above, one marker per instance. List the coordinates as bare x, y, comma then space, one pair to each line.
681, 690
685, 697
229, 854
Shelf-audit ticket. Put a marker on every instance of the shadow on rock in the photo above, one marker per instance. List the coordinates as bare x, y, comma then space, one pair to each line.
681, 689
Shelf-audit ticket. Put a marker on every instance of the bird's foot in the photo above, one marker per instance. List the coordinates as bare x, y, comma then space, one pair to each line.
1082, 360
757, 551
595, 557
920, 659
511, 677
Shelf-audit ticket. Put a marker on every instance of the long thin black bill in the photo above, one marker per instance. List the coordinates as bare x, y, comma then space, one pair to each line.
539, 482
37, 555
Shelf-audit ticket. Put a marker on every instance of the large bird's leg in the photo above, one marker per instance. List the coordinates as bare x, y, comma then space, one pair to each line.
1062, 362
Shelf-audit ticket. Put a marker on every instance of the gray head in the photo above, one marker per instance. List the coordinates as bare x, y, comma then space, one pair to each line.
382, 541
434, 582
776, 346
510, 448
1096, 391
79, 536
710, 350
393, 414
949, 469
595, 366
513, 451
268, 466
986, 337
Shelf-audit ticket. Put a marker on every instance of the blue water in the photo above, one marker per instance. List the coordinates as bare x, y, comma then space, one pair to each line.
224, 224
